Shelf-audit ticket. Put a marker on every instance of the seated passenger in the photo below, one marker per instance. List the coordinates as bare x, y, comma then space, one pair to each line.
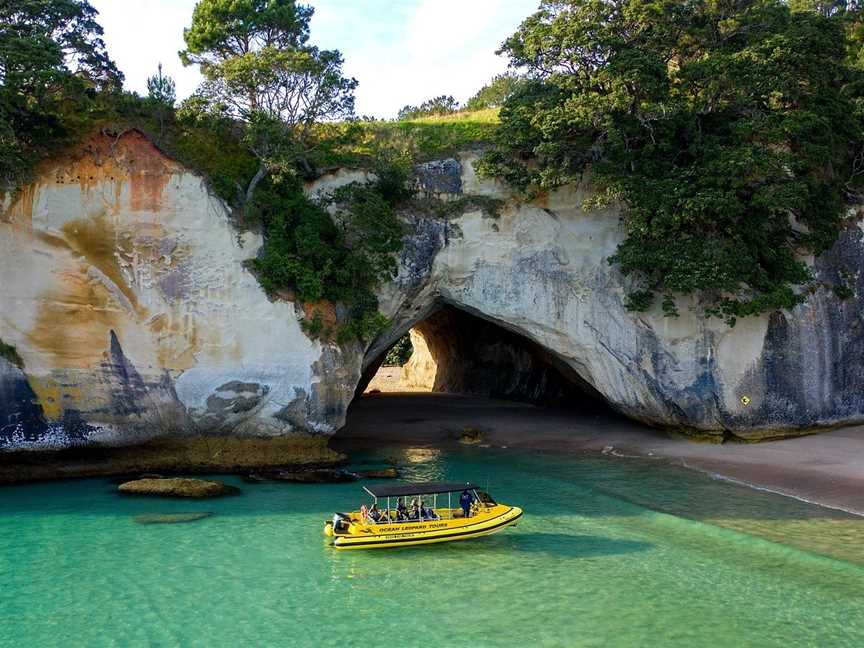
401, 510
431, 515
374, 513
415, 510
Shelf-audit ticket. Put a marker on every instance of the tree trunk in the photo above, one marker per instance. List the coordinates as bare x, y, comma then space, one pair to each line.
258, 177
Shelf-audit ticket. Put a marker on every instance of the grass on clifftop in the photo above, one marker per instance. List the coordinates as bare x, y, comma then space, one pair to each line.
355, 144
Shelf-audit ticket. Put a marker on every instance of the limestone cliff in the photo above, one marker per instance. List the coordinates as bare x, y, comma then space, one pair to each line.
124, 291
540, 270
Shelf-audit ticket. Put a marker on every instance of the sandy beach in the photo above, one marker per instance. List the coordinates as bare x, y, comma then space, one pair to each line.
825, 469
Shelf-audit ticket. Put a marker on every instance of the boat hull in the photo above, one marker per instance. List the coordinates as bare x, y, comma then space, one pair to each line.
431, 532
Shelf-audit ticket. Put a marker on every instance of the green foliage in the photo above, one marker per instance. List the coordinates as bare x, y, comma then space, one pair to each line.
728, 131
490, 206
441, 105
161, 89
10, 353
340, 255
359, 143
54, 75
496, 92
259, 70
400, 352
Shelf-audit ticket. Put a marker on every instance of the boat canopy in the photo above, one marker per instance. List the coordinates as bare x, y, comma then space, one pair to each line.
417, 488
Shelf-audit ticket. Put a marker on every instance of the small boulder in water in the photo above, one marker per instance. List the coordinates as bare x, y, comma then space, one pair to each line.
471, 436
383, 473
198, 488
315, 476
171, 518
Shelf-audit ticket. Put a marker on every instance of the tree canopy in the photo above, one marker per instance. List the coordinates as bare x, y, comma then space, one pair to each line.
440, 105
730, 132
496, 92
259, 69
53, 69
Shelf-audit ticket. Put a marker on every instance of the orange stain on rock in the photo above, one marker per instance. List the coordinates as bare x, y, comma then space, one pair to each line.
129, 157
73, 321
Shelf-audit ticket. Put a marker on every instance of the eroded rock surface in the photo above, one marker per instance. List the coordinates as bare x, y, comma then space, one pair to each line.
124, 290
540, 270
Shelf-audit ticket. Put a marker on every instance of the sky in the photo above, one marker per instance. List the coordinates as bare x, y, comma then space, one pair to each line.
401, 51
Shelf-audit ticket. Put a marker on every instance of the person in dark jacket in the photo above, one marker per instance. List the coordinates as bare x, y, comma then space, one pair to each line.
465, 501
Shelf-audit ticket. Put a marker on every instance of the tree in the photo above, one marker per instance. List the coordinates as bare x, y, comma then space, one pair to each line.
495, 93
259, 69
162, 94
441, 105
161, 88
53, 69
728, 131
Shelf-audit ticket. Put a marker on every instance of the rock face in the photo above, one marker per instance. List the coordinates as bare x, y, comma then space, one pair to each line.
540, 270
124, 291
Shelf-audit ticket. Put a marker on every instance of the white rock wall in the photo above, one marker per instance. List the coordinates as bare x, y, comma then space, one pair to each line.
121, 240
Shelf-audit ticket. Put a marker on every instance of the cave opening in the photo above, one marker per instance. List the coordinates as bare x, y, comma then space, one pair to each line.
454, 369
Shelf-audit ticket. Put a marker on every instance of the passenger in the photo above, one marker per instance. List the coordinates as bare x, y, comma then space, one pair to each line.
465, 501
401, 510
431, 515
364, 513
374, 513
415, 510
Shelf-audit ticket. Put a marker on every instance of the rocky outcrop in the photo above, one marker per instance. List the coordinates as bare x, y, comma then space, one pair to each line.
124, 291
192, 488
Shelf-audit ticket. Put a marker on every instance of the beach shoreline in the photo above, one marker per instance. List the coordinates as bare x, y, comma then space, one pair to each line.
824, 469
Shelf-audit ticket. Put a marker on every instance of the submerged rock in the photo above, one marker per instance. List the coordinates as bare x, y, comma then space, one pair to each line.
171, 518
383, 473
198, 488
315, 476
471, 436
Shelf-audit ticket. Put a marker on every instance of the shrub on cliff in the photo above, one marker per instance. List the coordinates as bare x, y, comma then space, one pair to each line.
730, 132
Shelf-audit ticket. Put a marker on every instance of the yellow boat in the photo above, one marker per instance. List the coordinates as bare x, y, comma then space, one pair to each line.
423, 522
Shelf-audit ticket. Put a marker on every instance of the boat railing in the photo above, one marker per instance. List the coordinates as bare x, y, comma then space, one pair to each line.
393, 518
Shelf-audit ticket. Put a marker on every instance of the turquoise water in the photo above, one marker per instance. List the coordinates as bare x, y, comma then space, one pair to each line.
611, 552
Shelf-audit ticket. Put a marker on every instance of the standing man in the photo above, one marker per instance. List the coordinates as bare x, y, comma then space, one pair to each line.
465, 501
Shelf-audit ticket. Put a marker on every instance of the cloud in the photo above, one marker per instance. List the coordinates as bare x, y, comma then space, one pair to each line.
401, 51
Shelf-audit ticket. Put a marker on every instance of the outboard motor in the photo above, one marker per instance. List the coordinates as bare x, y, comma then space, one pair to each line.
341, 522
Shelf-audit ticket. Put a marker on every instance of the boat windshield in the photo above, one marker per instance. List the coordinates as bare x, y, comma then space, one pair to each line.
486, 498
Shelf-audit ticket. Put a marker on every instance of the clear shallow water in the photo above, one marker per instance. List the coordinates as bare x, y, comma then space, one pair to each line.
611, 552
